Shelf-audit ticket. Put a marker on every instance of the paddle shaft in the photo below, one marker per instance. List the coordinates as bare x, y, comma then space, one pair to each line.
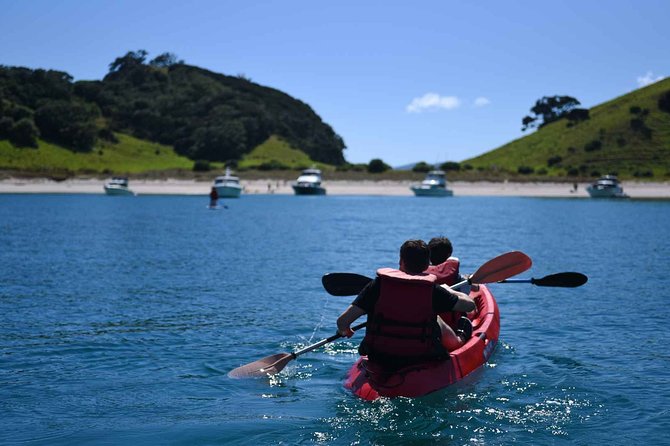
323, 342
516, 281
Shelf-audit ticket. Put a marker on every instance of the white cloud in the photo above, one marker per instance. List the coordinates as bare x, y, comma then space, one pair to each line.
482, 101
648, 79
433, 101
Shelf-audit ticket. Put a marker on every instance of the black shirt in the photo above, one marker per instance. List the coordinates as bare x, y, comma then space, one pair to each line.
366, 300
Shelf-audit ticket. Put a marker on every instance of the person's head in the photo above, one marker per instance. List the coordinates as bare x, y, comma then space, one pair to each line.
440, 250
414, 256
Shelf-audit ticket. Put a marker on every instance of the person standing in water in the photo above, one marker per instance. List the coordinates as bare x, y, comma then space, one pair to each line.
213, 198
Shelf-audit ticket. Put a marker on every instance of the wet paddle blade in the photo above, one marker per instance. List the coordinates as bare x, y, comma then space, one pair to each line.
502, 267
270, 365
567, 280
344, 284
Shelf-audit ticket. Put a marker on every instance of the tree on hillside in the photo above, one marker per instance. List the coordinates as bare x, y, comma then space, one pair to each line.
422, 166
378, 166
131, 59
664, 102
165, 60
549, 109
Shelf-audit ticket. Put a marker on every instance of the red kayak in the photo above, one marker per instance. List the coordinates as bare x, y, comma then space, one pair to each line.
371, 381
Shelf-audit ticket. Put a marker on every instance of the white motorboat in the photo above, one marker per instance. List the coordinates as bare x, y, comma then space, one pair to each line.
606, 187
118, 186
309, 183
434, 185
228, 185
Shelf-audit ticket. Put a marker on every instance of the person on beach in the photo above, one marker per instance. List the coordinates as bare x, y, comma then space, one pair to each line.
402, 307
213, 198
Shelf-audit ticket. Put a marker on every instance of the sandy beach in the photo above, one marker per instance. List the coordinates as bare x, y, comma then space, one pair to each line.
640, 190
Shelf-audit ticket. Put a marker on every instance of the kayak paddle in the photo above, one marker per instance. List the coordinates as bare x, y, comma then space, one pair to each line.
271, 365
497, 269
565, 280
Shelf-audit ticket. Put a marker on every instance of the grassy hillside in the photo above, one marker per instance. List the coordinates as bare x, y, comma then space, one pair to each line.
129, 155
628, 136
277, 153
135, 156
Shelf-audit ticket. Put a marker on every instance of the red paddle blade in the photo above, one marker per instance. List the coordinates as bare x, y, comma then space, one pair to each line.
502, 267
270, 365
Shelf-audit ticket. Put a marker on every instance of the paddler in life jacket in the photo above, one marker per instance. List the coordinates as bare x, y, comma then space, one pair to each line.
446, 269
402, 307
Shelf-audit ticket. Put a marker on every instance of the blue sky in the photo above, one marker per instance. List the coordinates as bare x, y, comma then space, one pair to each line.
401, 81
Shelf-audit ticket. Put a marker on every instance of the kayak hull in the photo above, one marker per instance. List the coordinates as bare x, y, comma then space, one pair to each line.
370, 381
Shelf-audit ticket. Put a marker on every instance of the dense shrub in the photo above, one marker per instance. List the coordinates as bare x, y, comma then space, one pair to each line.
422, 166
450, 166
6, 124
525, 170
554, 160
643, 174
638, 125
24, 133
201, 166
272, 165
592, 146
71, 124
664, 102
378, 166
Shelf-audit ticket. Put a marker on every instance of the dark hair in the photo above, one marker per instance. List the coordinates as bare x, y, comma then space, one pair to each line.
440, 250
415, 255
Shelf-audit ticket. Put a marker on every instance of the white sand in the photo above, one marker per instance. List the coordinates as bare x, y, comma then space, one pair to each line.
398, 188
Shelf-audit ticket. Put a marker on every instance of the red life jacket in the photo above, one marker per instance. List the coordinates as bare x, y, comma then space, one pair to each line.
446, 272
403, 326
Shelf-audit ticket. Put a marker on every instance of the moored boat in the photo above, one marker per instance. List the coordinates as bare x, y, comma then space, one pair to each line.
309, 183
434, 185
228, 185
118, 186
371, 381
606, 187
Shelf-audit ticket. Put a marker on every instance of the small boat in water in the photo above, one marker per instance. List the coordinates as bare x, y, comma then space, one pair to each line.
606, 187
228, 185
434, 185
118, 186
371, 381
309, 183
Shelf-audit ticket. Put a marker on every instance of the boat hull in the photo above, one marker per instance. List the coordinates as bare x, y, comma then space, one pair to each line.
228, 191
118, 191
370, 381
432, 191
309, 190
595, 192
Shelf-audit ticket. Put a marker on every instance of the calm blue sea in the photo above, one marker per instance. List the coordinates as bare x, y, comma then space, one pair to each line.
120, 318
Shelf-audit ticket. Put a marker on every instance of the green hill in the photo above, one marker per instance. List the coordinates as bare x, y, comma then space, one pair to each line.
203, 116
629, 136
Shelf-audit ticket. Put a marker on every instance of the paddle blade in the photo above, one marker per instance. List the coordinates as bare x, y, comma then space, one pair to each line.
344, 284
567, 280
502, 267
270, 365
